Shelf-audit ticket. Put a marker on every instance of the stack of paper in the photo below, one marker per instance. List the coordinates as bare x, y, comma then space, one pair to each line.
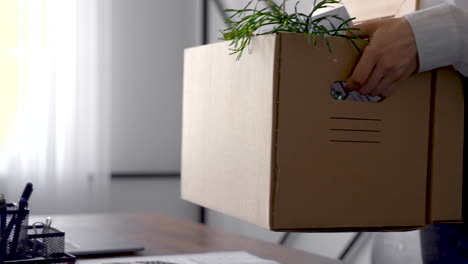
237, 257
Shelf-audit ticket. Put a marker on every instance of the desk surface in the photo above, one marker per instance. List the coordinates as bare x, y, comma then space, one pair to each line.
162, 235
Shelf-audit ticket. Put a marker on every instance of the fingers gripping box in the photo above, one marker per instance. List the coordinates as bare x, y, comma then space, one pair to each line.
265, 142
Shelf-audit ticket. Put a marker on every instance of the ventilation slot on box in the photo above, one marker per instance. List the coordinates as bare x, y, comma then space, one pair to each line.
355, 130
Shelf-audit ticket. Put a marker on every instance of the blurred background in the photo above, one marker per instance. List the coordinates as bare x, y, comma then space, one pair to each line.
90, 112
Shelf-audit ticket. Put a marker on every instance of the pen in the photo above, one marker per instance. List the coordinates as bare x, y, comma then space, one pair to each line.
27, 191
18, 221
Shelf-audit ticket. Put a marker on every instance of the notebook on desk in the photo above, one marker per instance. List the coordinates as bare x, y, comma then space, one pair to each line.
78, 246
229, 257
84, 240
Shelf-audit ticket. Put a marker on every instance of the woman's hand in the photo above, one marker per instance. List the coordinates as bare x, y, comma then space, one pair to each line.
391, 56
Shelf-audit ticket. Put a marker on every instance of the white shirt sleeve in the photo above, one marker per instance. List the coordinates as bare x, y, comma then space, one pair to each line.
441, 34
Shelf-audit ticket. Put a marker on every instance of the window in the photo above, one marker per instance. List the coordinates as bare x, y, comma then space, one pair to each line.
9, 67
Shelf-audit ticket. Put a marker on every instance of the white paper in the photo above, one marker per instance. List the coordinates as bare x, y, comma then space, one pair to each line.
331, 23
236, 257
337, 92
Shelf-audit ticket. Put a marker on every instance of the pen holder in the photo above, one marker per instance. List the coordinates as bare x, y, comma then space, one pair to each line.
42, 246
11, 214
59, 258
43, 242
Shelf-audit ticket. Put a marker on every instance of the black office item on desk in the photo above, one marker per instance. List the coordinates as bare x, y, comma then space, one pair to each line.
18, 223
43, 247
43, 243
2, 213
27, 192
86, 240
15, 226
3, 208
23, 244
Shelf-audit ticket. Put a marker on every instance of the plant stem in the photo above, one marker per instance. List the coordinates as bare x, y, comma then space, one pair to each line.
252, 20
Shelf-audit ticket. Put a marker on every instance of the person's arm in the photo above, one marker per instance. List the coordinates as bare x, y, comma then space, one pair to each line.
441, 35
399, 47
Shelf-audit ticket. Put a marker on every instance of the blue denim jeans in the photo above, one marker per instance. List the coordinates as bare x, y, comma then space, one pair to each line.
445, 243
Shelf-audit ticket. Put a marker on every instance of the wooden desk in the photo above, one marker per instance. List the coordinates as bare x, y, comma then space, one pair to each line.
162, 235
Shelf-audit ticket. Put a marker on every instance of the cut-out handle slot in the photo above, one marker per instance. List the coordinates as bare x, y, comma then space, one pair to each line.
338, 92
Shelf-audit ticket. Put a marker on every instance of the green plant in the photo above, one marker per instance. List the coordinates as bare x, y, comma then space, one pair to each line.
247, 22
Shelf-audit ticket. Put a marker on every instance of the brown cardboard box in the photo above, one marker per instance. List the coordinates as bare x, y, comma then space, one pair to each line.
264, 141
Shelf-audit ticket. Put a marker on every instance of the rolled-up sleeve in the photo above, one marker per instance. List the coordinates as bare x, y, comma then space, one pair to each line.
441, 34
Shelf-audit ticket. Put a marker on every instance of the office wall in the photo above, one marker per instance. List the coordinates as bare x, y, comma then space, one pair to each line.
148, 39
160, 195
147, 52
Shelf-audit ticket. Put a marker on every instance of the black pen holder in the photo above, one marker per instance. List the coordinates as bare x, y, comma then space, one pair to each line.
42, 246
59, 258
43, 242
11, 214
36, 244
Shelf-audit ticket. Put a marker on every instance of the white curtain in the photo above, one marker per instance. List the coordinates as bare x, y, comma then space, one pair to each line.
60, 141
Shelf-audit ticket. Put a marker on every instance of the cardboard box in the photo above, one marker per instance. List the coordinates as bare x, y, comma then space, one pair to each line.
264, 141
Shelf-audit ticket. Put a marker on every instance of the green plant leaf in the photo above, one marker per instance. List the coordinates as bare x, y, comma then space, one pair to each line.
250, 21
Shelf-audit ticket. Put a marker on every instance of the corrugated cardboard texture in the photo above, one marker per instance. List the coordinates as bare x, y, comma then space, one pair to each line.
227, 129
447, 152
264, 141
346, 164
372, 9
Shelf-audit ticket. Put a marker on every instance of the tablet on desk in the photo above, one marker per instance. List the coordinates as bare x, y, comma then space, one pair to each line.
94, 244
84, 239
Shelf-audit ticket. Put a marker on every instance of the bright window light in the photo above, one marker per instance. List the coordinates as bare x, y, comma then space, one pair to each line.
9, 42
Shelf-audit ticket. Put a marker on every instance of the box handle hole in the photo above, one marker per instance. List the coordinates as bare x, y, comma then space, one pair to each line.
338, 92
